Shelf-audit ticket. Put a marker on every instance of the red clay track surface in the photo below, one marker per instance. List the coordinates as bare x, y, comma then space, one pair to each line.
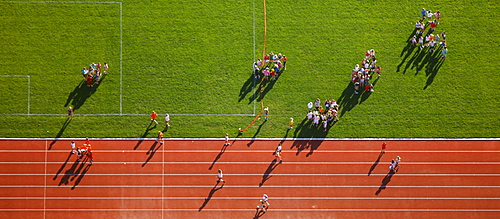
317, 179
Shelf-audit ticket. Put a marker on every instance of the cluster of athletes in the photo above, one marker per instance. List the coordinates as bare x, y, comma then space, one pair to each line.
84, 151
92, 74
270, 67
317, 114
421, 40
361, 74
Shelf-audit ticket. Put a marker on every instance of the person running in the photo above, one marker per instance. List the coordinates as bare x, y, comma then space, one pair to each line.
383, 148
396, 166
226, 140
160, 137
277, 155
262, 206
70, 112
73, 146
91, 156
167, 120
265, 199
279, 147
153, 117
266, 113
392, 166
220, 176
290, 124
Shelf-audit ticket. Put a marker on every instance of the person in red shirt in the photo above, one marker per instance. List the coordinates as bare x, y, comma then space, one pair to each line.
87, 142
284, 62
153, 117
91, 156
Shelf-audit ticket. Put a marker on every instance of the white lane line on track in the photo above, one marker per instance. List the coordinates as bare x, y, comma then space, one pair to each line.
258, 174
268, 162
236, 186
247, 151
253, 210
252, 198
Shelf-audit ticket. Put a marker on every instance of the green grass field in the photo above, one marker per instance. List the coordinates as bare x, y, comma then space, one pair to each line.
193, 59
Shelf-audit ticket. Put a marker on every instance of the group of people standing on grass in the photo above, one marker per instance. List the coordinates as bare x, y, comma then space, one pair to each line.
361, 74
431, 40
320, 115
92, 74
270, 67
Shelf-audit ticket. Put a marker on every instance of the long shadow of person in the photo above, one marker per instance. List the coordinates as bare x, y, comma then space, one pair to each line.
151, 152
70, 172
385, 181
256, 133
61, 131
62, 166
247, 87
348, 100
210, 194
258, 214
80, 177
145, 134
267, 174
376, 163
222, 150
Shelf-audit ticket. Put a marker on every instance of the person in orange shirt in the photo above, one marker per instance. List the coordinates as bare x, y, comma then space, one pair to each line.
160, 137
153, 117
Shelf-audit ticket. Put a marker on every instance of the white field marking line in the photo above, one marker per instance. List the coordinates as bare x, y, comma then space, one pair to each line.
254, 56
242, 186
368, 140
252, 198
45, 181
29, 89
121, 56
162, 180
260, 174
118, 114
253, 210
265, 163
121, 48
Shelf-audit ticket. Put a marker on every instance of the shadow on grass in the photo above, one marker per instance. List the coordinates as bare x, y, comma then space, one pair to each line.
210, 194
247, 87
61, 131
267, 174
145, 134
421, 58
81, 93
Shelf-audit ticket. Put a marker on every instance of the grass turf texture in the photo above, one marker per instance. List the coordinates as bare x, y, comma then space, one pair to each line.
195, 58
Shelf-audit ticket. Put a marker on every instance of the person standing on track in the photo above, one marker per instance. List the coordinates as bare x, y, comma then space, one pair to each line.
226, 138
383, 148
73, 146
78, 154
87, 142
396, 165
277, 155
91, 156
153, 117
220, 176
160, 137
262, 206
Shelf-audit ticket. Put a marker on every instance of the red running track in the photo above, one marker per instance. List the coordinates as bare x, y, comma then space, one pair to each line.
317, 179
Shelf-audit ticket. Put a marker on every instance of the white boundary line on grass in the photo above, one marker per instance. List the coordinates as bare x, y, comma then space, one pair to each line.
29, 88
121, 53
121, 68
255, 139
